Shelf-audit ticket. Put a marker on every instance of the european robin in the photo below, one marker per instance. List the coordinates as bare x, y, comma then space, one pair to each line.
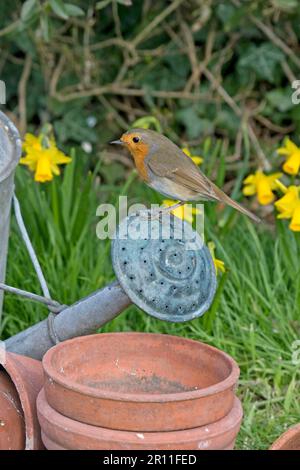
167, 169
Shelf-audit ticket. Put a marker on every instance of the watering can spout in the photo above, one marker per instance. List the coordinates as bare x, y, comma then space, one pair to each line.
162, 276
82, 318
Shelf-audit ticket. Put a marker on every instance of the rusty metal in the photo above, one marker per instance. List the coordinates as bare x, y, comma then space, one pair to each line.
140, 381
289, 440
26, 374
10, 152
60, 432
164, 267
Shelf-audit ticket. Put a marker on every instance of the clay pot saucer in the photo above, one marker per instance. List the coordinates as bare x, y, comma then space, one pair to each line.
140, 381
60, 432
290, 440
23, 381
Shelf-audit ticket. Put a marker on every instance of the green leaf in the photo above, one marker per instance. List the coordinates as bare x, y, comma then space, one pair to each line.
59, 9
28, 10
195, 125
102, 4
44, 21
263, 60
285, 5
73, 10
280, 98
127, 3
230, 16
146, 122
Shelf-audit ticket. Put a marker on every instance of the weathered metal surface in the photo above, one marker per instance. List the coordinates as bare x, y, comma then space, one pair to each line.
82, 318
60, 432
27, 376
289, 440
140, 381
10, 152
164, 267
170, 278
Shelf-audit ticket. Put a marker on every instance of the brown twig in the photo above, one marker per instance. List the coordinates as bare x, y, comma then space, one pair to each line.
118, 90
276, 40
155, 22
274, 127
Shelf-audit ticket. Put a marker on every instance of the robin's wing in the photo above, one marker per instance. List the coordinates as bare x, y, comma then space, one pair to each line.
180, 168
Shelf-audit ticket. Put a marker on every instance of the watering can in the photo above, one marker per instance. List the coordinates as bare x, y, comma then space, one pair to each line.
10, 152
171, 277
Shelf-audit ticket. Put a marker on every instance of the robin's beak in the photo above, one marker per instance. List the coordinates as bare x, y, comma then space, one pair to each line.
118, 142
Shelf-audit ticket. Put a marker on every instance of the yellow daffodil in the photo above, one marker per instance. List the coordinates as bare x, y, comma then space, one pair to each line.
292, 154
185, 212
196, 158
43, 157
288, 207
219, 264
262, 185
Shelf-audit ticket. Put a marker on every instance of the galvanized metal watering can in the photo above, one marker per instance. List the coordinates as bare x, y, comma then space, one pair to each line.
170, 277
10, 152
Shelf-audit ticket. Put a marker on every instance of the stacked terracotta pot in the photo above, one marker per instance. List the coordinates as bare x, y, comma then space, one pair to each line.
138, 391
21, 379
289, 440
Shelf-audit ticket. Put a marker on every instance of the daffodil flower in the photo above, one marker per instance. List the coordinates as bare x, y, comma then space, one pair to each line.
288, 207
196, 158
43, 157
292, 154
219, 264
262, 185
185, 212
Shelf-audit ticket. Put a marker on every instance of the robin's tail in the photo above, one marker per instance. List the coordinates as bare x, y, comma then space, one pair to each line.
221, 196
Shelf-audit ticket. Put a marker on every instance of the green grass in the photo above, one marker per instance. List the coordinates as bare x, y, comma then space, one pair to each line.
255, 315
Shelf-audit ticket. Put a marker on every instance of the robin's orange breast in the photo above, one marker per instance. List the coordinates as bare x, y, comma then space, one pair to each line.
139, 154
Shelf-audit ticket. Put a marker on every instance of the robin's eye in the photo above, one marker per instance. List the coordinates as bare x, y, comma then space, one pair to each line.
135, 139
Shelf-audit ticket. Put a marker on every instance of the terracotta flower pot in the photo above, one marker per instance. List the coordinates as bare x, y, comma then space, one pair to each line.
139, 381
60, 432
12, 427
290, 440
20, 385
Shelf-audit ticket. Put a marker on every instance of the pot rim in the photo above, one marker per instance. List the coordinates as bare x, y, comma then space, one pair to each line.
215, 428
214, 389
13, 365
286, 437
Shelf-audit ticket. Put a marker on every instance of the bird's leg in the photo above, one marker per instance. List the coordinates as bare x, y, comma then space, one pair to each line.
171, 208
165, 210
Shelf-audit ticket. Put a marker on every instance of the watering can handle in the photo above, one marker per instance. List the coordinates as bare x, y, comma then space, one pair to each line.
56, 307
53, 306
30, 249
